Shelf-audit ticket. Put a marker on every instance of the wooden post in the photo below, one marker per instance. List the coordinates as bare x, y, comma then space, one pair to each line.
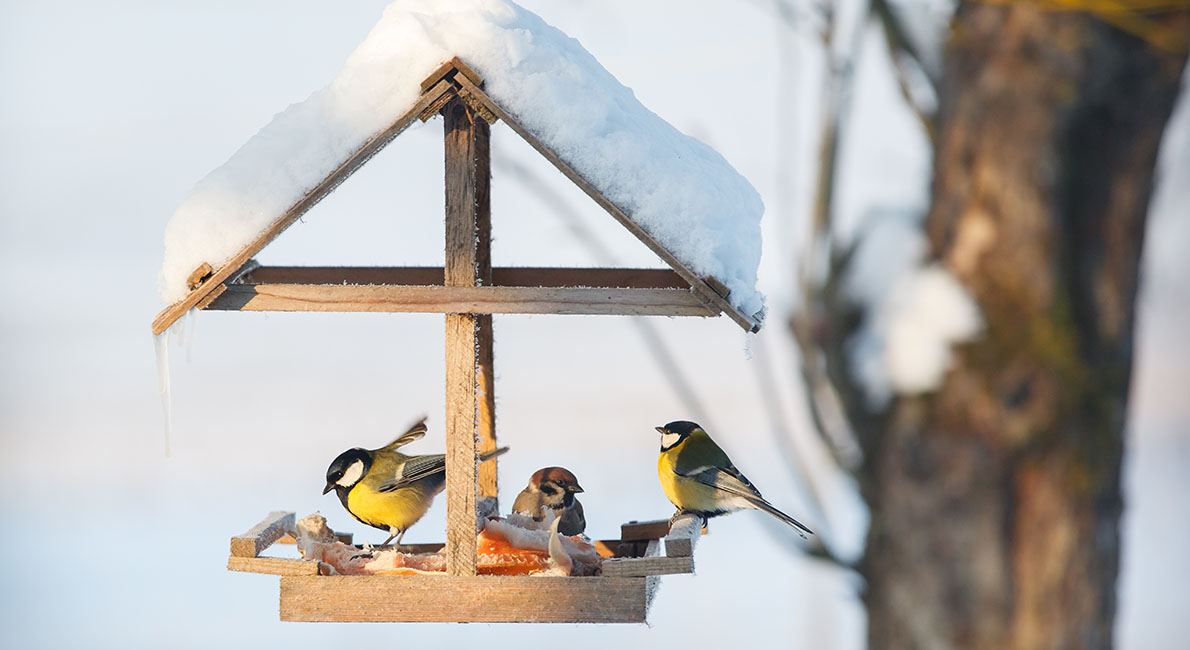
468, 337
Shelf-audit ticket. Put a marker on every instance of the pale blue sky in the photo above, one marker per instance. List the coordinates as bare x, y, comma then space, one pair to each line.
110, 113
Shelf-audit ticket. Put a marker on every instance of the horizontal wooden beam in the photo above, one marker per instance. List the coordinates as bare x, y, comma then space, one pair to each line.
260, 536
458, 599
460, 300
279, 566
644, 530
647, 566
501, 277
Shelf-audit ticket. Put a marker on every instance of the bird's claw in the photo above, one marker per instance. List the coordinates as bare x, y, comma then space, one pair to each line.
680, 513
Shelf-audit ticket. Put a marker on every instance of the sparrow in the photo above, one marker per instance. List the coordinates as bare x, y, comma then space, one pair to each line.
698, 477
553, 488
386, 489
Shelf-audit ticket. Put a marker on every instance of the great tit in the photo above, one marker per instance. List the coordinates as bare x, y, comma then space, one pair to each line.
553, 488
386, 489
699, 478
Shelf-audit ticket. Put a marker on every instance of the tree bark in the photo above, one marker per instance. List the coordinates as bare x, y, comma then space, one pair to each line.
996, 501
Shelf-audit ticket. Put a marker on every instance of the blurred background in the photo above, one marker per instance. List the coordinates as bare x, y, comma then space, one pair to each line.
112, 111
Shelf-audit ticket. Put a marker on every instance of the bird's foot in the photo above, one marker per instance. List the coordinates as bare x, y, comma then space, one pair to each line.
682, 513
368, 551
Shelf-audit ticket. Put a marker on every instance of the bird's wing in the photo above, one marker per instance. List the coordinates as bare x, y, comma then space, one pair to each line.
414, 469
728, 479
415, 432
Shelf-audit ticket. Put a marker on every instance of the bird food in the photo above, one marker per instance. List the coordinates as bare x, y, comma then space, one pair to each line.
513, 546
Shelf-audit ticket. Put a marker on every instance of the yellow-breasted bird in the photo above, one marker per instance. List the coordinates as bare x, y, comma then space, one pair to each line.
386, 489
553, 488
698, 477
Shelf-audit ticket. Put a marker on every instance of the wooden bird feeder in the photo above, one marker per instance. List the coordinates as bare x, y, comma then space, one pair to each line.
468, 291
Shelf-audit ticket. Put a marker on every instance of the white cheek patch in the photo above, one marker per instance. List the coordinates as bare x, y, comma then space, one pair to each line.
353, 474
669, 439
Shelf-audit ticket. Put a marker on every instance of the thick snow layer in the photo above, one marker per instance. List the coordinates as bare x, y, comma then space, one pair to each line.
914, 313
678, 189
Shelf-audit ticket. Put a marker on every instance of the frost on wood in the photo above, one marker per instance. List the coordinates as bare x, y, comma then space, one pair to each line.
682, 192
913, 313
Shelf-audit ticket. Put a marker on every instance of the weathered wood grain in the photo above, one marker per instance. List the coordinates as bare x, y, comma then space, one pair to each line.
490, 599
501, 276
197, 275
459, 300
260, 536
346, 538
644, 530
465, 189
277, 566
684, 532
647, 566
447, 71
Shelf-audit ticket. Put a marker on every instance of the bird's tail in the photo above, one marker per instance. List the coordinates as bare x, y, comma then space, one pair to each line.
761, 504
488, 455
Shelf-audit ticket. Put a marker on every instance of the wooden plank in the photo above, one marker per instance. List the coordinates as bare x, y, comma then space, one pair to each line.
684, 532
461, 444
175, 311
198, 275
463, 190
501, 276
460, 300
432, 111
644, 530
468, 72
708, 294
277, 566
211, 296
346, 538
679, 546
263, 534
458, 599
640, 567
648, 565
485, 361
447, 70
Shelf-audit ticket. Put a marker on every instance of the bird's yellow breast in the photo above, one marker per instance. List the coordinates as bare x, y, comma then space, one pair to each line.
398, 509
684, 493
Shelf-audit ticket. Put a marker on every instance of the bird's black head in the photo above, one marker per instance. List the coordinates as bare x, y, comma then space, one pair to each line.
347, 470
675, 432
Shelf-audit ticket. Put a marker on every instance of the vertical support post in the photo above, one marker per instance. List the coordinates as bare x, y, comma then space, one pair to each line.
469, 395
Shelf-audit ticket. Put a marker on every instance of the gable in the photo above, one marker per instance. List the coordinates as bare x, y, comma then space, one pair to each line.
675, 193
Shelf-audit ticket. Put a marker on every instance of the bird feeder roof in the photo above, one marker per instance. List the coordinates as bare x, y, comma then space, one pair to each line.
675, 193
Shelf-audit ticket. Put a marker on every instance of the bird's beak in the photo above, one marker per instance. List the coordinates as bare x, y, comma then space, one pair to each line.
575, 488
328, 488
661, 430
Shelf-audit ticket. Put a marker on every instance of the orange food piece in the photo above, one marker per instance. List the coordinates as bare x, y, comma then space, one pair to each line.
497, 557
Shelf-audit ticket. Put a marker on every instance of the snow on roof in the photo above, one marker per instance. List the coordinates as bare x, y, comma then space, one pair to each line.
682, 192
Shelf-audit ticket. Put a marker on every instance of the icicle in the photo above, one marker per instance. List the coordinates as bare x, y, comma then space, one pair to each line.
748, 336
161, 343
191, 322
178, 329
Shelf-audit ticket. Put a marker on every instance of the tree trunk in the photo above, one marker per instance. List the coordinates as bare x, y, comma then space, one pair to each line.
996, 500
